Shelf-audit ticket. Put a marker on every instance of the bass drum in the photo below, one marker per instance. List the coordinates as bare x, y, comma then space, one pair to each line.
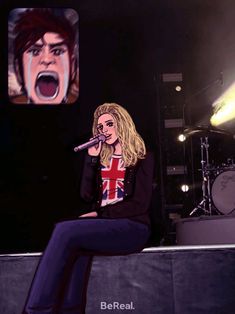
223, 191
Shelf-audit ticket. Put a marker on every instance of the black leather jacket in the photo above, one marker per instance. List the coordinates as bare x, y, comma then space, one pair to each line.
137, 190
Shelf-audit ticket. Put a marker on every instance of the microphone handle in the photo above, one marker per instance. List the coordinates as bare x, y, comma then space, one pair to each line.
87, 145
91, 143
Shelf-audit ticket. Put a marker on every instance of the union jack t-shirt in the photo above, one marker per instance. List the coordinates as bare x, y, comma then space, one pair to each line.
113, 181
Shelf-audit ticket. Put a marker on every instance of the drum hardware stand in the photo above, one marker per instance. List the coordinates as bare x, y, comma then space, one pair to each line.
206, 202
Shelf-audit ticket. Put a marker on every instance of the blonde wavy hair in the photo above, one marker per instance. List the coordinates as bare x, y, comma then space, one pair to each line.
132, 144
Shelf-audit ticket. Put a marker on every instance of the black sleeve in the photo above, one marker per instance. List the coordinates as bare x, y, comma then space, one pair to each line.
88, 188
139, 201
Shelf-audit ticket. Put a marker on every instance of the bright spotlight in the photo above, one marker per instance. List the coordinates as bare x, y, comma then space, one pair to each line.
181, 138
224, 107
178, 88
184, 188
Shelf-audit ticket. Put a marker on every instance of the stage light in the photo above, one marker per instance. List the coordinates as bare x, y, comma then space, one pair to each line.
224, 107
184, 188
181, 138
178, 88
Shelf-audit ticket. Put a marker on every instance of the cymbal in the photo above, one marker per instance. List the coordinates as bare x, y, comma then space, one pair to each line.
205, 130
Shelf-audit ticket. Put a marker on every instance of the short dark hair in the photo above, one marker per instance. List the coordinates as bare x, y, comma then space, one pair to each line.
32, 25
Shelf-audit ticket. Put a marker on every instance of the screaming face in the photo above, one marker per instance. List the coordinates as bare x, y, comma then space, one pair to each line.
46, 68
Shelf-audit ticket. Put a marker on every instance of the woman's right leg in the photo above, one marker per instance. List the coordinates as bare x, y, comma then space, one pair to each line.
55, 268
112, 236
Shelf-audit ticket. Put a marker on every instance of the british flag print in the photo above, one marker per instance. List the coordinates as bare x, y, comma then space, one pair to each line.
113, 181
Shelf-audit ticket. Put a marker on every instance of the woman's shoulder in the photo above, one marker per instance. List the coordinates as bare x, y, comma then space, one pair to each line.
148, 156
148, 159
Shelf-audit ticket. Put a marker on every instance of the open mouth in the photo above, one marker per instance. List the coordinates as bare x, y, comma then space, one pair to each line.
47, 85
108, 137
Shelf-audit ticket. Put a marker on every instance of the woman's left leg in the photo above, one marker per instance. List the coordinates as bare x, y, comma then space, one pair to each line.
73, 299
122, 236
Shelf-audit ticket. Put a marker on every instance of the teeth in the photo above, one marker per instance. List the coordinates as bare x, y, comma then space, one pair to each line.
48, 73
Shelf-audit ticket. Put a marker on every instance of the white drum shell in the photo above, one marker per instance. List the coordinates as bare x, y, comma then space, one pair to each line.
223, 192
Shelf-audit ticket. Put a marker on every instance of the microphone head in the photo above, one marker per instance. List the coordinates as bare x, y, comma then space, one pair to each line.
102, 138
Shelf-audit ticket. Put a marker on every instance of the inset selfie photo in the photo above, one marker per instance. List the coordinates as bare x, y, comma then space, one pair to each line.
43, 56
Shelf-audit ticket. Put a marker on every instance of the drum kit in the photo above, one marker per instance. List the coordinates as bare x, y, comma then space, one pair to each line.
218, 181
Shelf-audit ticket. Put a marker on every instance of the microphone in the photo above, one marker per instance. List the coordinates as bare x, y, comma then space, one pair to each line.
92, 142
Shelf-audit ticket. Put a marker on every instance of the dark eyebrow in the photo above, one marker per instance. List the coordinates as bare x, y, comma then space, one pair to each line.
36, 46
51, 46
108, 121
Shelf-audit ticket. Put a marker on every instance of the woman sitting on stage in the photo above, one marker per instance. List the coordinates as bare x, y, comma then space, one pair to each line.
117, 181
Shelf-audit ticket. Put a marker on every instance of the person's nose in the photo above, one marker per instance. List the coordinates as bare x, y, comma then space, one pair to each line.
105, 129
47, 58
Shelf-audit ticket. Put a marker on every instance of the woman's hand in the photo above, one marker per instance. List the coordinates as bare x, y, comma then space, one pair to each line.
95, 150
91, 214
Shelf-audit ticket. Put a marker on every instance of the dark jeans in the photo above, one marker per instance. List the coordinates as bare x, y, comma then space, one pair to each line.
60, 283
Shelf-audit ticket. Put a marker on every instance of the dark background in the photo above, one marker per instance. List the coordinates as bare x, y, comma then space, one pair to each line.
124, 47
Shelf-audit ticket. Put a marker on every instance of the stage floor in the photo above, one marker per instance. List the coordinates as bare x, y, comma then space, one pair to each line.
197, 279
